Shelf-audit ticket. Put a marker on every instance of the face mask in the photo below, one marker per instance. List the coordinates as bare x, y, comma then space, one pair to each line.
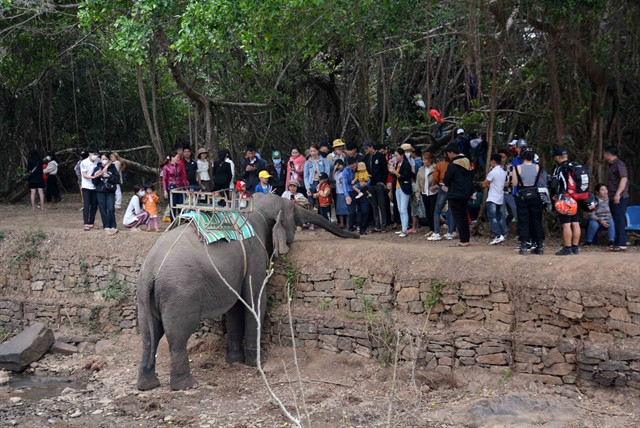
141, 194
92, 158
104, 161
47, 159
408, 155
277, 161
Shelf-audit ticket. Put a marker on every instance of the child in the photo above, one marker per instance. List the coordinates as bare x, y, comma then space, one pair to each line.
263, 186
342, 211
242, 194
361, 181
323, 196
150, 199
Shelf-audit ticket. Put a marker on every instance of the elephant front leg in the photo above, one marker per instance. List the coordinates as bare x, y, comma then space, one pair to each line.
252, 335
177, 337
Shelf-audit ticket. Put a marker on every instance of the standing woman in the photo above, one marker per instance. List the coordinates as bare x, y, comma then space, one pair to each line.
134, 215
223, 172
295, 169
528, 202
35, 179
402, 175
106, 181
120, 166
173, 176
313, 167
52, 193
202, 174
427, 188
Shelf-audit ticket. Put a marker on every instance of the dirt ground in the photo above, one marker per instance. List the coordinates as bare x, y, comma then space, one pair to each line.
98, 385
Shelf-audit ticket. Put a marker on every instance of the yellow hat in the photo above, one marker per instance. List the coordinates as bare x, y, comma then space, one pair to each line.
264, 174
338, 143
361, 167
407, 146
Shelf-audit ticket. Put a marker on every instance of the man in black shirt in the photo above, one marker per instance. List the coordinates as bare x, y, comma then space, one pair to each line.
251, 167
191, 167
377, 167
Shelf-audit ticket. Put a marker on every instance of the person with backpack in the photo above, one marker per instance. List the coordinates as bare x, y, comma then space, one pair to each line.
563, 177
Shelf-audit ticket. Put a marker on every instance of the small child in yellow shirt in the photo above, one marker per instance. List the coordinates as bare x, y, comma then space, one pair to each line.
361, 181
150, 200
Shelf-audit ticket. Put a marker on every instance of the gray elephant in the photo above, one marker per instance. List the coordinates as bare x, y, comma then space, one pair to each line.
180, 284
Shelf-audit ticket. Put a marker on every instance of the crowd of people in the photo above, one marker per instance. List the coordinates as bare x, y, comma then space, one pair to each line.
369, 189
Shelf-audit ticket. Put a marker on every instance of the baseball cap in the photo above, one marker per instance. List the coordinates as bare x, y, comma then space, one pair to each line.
323, 176
264, 174
460, 131
521, 143
276, 154
559, 151
367, 143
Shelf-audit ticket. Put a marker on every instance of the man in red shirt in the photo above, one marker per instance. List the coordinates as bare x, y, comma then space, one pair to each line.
437, 117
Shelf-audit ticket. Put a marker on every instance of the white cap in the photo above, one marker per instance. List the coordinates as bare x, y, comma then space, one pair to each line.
420, 104
536, 158
513, 142
460, 131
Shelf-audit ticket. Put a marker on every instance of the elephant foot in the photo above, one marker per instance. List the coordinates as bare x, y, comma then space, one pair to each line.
235, 357
147, 382
183, 382
251, 357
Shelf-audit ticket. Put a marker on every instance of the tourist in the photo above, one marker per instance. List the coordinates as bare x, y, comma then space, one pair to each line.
458, 181
342, 209
173, 177
105, 181
87, 169
313, 167
120, 166
250, 168
83, 155
601, 218
376, 164
438, 178
52, 193
278, 172
528, 203
495, 199
570, 223
427, 189
150, 201
263, 186
190, 167
402, 174
223, 171
202, 173
323, 195
35, 179
135, 215
618, 189
295, 169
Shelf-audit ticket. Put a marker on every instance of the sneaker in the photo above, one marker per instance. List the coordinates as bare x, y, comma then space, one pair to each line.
166, 219
575, 249
434, 237
539, 250
498, 239
398, 232
523, 248
566, 251
359, 195
402, 235
449, 236
586, 244
454, 234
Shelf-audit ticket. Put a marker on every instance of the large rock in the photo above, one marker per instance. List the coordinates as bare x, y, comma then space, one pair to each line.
25, 348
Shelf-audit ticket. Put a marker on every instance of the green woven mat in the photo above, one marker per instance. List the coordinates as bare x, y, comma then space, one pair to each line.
228, 225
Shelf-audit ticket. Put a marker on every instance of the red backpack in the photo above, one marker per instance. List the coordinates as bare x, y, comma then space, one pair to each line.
578, 181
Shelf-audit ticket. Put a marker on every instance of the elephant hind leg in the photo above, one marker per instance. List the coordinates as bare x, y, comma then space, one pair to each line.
177, 336
235, 333
152, 331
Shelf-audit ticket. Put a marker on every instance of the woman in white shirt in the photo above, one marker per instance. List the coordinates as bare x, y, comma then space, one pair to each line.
135, 215
52, 193
202, 174
426, 188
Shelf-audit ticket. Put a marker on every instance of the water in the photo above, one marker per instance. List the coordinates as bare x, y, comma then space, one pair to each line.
37, 388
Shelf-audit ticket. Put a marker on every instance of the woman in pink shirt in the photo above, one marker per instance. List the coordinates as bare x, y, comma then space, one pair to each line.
295, 168
173, 176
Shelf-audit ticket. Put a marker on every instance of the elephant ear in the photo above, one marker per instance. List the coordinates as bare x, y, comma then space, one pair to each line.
279, 237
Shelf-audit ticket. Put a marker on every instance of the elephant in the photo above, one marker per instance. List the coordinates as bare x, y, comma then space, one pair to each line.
180, 284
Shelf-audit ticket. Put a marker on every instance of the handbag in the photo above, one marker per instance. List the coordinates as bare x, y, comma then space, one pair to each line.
528, 193
109, 186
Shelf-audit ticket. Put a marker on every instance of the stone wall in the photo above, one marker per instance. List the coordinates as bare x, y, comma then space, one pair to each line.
550, 333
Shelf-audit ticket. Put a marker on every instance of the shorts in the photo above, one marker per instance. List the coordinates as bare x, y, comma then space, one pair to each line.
566, 219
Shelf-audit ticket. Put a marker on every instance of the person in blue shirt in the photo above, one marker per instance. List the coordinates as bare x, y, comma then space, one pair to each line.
263, 186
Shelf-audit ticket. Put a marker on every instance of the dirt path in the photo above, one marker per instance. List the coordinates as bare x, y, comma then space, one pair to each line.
338, 390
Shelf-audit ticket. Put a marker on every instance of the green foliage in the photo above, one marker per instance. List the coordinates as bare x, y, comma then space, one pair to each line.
435, 293
505, 375
115, 289
28, 248
292, 274
1, 235
325, 304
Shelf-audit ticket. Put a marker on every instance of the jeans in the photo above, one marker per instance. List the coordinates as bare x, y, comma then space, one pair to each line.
106, 203
618, 212
594, 226
496, 218
458, 208
325, 212
377, 205
440, 201
90, 206
510, 203
402, 201
311, 199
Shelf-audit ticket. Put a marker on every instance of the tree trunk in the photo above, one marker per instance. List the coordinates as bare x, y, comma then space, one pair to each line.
556, 102
157, 145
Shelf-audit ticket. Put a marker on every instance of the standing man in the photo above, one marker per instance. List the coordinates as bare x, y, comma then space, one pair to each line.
495, 199
438, 178
509, 211
348, 176
251, 167
458, 181
376, 164
89, 196
570, 223
462, 143
618, 187
190, 167
278, 173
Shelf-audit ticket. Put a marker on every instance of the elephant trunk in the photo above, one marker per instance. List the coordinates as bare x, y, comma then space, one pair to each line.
308, 216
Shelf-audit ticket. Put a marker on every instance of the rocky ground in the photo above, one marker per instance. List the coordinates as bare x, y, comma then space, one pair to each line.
96, 387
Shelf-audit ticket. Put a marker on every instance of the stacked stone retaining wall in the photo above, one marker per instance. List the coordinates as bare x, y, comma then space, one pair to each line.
549, 333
